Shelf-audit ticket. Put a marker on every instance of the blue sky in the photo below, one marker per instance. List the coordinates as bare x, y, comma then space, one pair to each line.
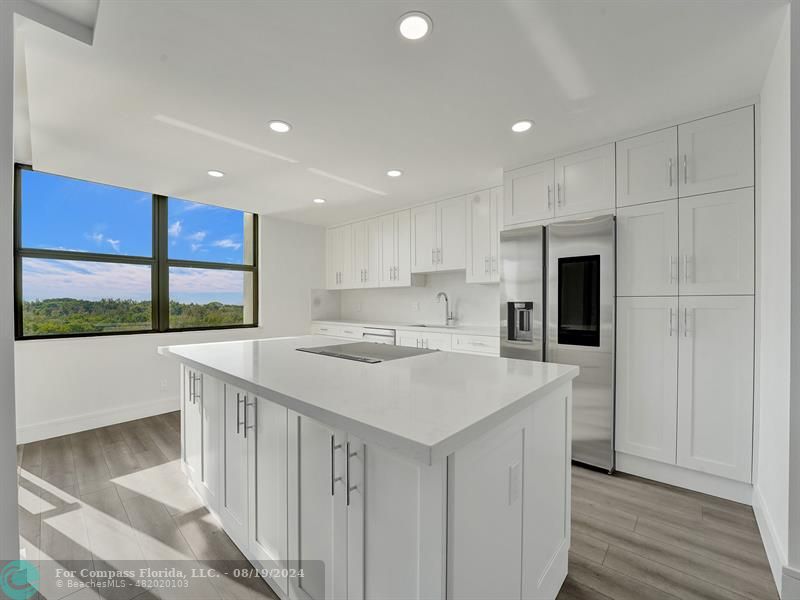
69, 214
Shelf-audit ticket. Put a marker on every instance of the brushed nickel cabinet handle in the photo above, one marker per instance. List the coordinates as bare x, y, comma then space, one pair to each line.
670, 172
350, 488
685, 173
549, 197
685, 322
671, 317
334, 479
238, 414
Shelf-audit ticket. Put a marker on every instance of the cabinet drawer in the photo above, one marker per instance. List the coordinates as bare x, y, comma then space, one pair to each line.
341, 331
481, 344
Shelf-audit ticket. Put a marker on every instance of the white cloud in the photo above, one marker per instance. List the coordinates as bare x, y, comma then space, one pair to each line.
96, 237
43, 278
114, 244
197, 236
196, 247
227, 243
193, 281
175, 229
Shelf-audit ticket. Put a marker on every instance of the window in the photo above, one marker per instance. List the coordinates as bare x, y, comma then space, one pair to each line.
94, 259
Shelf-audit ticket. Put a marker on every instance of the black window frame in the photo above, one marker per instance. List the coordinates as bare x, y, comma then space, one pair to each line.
159, 263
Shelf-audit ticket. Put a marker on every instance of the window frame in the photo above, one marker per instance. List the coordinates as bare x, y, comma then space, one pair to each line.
159, 263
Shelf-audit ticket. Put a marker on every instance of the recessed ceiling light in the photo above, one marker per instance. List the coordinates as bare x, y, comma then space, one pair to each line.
394, 172
521, 126
415, 25
319, 200
216, 173
279, 126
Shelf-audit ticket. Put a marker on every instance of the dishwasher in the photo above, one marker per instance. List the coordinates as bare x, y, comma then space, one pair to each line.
378, 336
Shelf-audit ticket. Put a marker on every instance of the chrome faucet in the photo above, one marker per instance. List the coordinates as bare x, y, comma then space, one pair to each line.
449, 319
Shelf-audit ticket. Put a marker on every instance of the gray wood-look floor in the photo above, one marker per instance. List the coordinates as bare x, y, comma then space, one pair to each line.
118, 493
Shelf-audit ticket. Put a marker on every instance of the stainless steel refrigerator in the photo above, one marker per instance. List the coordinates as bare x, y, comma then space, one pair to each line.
557, 304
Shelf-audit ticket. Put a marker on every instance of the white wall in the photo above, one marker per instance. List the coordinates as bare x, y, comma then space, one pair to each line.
774, 307
473, 304
68, 385
9, 538
792, 578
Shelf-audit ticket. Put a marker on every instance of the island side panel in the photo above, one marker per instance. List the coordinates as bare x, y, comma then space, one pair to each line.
547, 495
404, 527
508, 506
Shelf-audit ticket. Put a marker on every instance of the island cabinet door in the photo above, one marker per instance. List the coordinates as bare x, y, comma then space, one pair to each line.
209, 394
317, 509
268, 488
485, 517
233, 508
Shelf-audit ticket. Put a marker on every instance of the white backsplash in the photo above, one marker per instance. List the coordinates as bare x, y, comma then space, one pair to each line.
473, 304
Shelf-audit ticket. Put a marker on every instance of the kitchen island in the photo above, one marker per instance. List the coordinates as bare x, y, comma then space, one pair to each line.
438, 475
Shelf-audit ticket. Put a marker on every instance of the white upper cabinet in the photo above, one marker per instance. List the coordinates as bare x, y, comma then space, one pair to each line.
424, 238
395, 244
529, 193
484, 215
647, 249
366, 253
647, 377
715, 383
717, 246
452, 227
585, 181
438, 236
647, 168
339, 258
716, 153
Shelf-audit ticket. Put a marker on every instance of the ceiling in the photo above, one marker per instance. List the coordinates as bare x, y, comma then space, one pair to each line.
170, 90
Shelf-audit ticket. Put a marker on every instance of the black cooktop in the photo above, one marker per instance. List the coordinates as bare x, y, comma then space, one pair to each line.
366, 352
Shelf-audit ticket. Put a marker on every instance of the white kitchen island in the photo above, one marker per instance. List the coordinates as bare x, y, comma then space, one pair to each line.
436, 476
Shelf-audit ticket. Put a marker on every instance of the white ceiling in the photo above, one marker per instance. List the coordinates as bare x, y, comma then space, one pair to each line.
170, 90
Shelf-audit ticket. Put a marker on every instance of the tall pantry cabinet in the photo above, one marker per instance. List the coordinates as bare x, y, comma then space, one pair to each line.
685, 297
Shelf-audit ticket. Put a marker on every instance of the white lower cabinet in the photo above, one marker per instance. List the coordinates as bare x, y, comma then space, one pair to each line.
201, 434
715, 385
318, 510
685, 382
647, 377
268, 488
431, 341
233, 506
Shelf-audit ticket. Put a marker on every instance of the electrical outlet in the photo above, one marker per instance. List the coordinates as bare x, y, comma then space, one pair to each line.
358, 307
415, 305
164, 385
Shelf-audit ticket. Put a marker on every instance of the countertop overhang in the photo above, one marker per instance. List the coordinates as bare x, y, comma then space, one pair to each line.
424, 407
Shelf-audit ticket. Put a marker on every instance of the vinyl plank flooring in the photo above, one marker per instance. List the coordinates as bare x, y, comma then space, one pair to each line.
685, 587
135, 435
58, 462
604, 512
588, 547
613, 583
572, 590
753, 583
120, 460
722, 547
32, 458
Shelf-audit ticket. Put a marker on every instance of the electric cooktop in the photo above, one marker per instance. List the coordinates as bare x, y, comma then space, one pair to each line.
366, 352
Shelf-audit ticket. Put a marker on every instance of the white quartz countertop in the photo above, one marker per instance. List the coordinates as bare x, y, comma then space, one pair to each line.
487, 330
425, 406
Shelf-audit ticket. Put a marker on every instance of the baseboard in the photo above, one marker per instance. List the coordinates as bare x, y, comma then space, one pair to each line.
49, 429
685, 478
790, 585
766, 527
